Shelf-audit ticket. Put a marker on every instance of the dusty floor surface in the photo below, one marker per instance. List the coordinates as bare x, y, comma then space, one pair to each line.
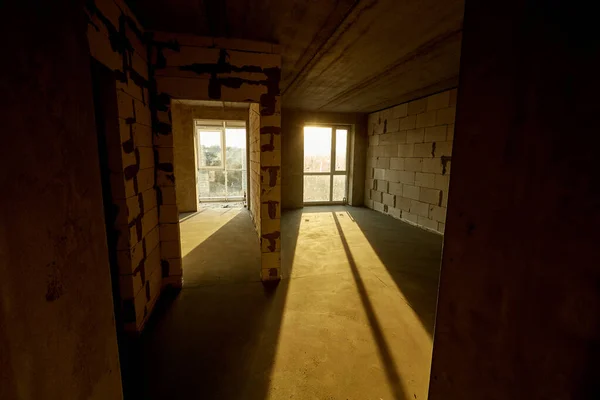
352, 318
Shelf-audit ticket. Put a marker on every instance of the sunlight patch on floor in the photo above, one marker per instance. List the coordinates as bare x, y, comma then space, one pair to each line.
196, 228
346, 326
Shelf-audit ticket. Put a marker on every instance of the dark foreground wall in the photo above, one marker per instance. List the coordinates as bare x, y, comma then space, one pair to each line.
519, 301
57, 333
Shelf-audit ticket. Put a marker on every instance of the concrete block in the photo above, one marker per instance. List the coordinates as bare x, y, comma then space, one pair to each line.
409, 217
419, 208
453, 97
417, 106
392, 175
426, 119
410, 192
169, 214
441, 227
427, 223
439, 100
441, 182
432, 165
171, 249
273, 208
374, 140
376, 196
379, 173
168, 195
146, 157
392, 138
393, 124
369, 203
400, 111
437, 214
378, 151
424, 150
169, 232
436, 134
142, 135
443, 149
450, 133
403, 203
423, 179
445, 116
406, 150
161, 140
430, 196
391, 150
395, 188
382, 162
396, 163
381, 185
377, 206
406, 177
444, 197
415, 136
413, 164
394, 212
389, 199
408, 122
273, 273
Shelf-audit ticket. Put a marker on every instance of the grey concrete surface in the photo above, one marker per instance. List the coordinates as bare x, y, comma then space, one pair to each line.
351, 319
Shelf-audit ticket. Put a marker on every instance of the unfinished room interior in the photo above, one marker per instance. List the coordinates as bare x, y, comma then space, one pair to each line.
300, 199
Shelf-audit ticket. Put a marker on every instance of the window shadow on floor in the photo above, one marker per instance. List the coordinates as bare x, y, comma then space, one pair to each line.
385, 354
411, 256
217, 338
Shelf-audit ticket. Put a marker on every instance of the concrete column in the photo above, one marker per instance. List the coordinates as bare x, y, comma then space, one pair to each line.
519, 300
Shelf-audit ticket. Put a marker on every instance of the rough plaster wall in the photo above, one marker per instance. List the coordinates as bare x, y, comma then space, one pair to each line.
408, 160
183, 116
57, 330
116, 40
519, 300
292, 157
254, 172
198, 68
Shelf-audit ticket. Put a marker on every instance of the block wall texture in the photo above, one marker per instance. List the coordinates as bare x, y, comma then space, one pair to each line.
57, 327
197, 68
254, 168
292, 157
142, 190
184, 137
408, 160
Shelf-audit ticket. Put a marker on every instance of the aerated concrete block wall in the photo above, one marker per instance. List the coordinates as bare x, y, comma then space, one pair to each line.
191, 67
254, 168
409, 158
148, 245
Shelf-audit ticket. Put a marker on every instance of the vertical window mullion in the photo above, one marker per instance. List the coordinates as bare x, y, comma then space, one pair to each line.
332, 164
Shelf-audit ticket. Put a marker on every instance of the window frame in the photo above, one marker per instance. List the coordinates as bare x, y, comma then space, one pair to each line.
332, 172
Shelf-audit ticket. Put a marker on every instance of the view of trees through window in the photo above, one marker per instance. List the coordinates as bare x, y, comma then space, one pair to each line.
325, 181
220, 179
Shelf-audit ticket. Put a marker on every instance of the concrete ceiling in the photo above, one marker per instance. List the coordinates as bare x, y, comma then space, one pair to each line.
338, 55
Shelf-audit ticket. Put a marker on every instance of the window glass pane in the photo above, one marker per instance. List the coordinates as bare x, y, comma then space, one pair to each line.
211, 183
339, 187
235, 140
341, 142
210, 149
316, 187
235, 184
317, 149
